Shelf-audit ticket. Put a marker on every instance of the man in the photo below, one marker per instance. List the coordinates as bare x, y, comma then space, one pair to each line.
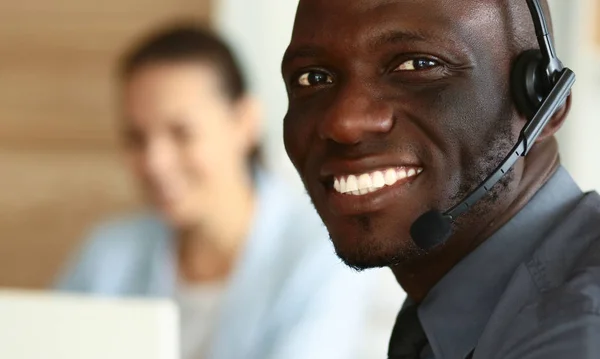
400, 107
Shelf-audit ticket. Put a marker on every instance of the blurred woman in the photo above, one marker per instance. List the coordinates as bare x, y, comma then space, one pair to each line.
248, 262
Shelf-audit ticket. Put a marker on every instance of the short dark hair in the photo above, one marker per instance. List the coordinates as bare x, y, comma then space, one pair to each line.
184, 42
187, 42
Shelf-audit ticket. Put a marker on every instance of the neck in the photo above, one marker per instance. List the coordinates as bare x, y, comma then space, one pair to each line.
418, 276
208, 251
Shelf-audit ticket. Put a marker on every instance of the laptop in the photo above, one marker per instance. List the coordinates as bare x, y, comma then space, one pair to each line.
45, 325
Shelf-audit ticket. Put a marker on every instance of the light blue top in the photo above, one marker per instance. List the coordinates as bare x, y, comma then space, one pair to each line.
289, 297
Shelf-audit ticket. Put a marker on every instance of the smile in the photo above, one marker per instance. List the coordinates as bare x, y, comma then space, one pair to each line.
362, 184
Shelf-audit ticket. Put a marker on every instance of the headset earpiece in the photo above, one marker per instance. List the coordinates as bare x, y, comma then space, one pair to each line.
539, 85
529, 82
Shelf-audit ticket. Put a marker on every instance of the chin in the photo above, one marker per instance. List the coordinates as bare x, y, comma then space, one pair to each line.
173, 219
174, 215
362, 244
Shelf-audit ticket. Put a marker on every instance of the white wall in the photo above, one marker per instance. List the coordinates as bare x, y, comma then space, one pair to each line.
580, 137
260, 30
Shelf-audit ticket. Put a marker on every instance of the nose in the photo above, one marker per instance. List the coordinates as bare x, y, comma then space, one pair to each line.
355, 114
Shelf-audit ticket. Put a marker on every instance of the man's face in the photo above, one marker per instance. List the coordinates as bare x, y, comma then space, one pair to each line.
395, 108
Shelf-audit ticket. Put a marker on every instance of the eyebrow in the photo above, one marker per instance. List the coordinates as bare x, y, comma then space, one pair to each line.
385, 38
399, 36
306, 51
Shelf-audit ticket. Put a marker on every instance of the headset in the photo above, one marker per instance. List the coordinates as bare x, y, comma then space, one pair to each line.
540, 85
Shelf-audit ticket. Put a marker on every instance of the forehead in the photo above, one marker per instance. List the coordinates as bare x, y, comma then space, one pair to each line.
354, 23
166, 91
171, 85
166, 77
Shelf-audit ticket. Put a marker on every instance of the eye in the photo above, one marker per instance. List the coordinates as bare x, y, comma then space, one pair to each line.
417, 65
314, 78
180, 133
134, 139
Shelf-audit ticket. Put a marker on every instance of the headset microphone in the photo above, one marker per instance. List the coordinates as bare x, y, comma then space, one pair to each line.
540, 85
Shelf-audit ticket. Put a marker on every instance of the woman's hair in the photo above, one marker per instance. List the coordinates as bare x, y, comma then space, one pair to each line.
186, 42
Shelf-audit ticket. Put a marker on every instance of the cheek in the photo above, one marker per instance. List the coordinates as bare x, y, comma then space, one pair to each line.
289, 140
297, 129
196, 161
460, 122
459, 115
141, 167
211, 160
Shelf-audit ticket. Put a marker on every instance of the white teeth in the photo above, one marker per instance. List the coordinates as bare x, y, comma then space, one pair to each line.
401, 173
378, 180
364, 182
351, 184
372, 182
390, 177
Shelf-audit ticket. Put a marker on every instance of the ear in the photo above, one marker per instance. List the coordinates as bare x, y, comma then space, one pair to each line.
557, 120
249, 115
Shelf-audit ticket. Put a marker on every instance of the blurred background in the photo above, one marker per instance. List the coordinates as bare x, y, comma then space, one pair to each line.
60, 169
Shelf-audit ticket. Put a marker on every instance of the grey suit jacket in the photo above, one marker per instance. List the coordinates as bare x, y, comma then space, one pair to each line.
531, 290
551, 306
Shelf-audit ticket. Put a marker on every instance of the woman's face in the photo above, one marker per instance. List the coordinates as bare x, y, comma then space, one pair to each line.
187, 142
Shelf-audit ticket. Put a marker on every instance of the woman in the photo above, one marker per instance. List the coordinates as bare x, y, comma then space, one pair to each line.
249, 263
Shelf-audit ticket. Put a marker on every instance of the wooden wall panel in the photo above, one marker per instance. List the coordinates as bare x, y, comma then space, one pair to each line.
59, 163
57, 62
48, 201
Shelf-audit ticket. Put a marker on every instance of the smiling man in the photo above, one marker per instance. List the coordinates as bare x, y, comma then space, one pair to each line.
398, 107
